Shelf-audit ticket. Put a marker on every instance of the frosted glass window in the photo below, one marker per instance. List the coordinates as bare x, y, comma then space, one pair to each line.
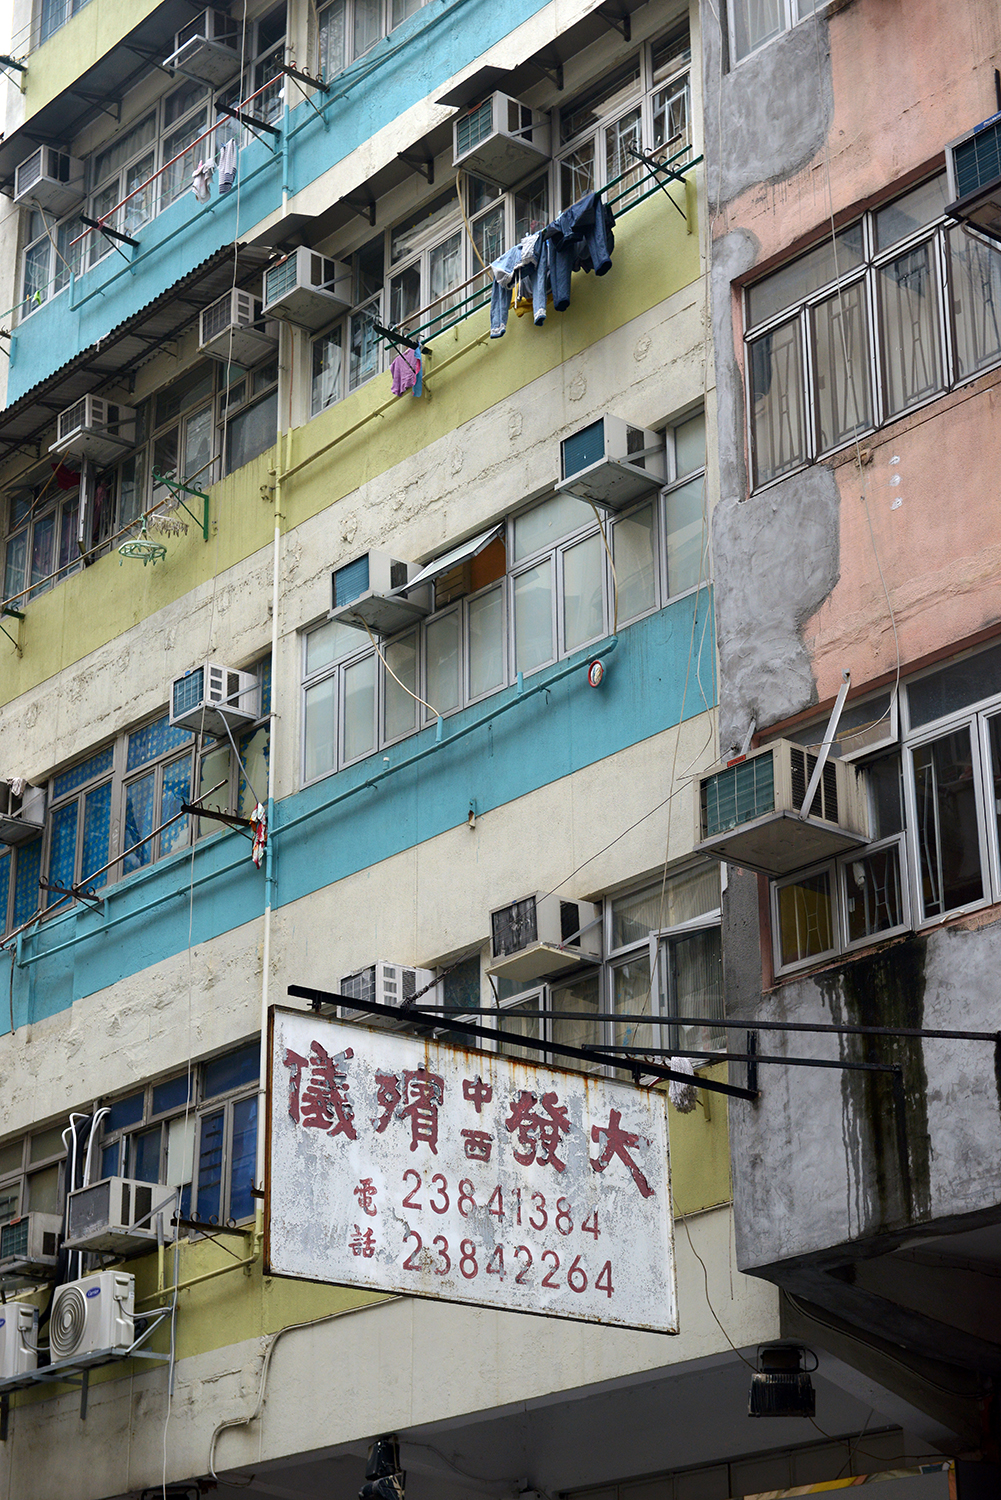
635, 567
359, 708
548, 522
138, 824
43, 1190
583, 592
62, 847
26, 892
631, 996
96, 829
485, 616
326, 385
176, 790
401, 706
320, 735
329, 644
686, 535
442, 650
533, 617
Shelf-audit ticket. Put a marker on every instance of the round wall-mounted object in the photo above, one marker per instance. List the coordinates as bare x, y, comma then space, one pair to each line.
596, 673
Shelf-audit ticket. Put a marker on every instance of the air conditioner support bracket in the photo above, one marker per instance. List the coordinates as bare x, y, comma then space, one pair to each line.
424, 167
252, 122
622, 22
18, 615
177, 489
93, 900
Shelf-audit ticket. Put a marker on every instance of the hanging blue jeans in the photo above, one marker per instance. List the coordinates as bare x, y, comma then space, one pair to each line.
580, 237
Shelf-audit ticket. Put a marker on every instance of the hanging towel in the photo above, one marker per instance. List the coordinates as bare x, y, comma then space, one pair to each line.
259, 826
682, 1095
227, 166
404, 370
201, 177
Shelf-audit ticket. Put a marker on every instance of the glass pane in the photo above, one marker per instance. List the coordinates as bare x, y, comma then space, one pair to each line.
577, 174
754, 23
144, 1155
97, 765
418, 228
241, 1202
214, 768
886, 793
635, 569
690, 445
691, 980
994, 730
326, 386
43, 540
908, 308
686, 535
533, 617
485, 621
873, 896
255, 752
368, 24
548, 522
681, 898
359, 708
404, 8
806, 918
405, 294
582, 998
62, 848
975, 274
329, 644
445, 265
180, 1151
14, 565
511, 1019
26, 892
253, 431
488, 234
401, 706
198, 446
5, 863
955, 686
911, 212
123, 1113
171, 1095
793, 283
156, 739
624, 134
10, 1198
43, 1191
841, 355
176, 789
109, 1160
140, 191
364, 352
672, 126
36, 275
47, 1143
231, 1071
778, 422
320, 729
69, 546
947, 832
187, 390
207, 1203
332, 54
138, 824
531, 208
631, 997
583, 592
12, 1156
442, 650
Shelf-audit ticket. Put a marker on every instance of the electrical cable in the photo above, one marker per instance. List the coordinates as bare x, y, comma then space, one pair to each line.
416, 696
611, 564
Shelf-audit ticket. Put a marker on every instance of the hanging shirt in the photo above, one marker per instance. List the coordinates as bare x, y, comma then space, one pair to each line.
404, 370
201, 177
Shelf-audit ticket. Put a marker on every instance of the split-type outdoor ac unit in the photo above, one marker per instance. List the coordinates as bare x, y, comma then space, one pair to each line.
207, 698
611, 462
92, 1315
18, 1339
385, 984
372, 591
500, 139
541, 935
973, 166
207, 49
29, 1245
50, 179
231, 329
307, 289
118, 1215
22, 814
95, 428
748, 813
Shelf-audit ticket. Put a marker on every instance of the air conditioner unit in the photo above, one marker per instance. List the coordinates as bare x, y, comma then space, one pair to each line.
18, 1339
973, 167
307, 289
50, 179
385, 984
118, 1215
371, 591
748, 812
22, 813
95, 428
210, 696
500, 139
611, 462
92, 1315
207, 49
29, 1245
542, 934
231, 329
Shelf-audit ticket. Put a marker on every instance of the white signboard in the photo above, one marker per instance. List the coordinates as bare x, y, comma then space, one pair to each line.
406, 1165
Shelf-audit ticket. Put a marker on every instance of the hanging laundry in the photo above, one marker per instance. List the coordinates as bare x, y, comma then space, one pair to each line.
259, 825
201, 179
227, 166
405, 370
518, 260
580, 239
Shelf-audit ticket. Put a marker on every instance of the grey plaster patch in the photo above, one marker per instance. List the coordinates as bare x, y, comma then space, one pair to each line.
776, 560
733, 256
768, 116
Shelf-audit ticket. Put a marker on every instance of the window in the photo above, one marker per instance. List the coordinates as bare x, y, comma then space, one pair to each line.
645, 106
900, 307
755, 22
41, 524
196, 1132
542, 590
52, 14
31, 1174
350, 28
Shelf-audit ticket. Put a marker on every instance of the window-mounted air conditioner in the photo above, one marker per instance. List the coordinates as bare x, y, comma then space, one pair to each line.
18, 1339
973, 167
542, 934
95, 428
29, 1245
207, 49
231, 329
307, 289
372, 591
748, 813
50, 179
22, 812
118, 1215
385, 984
500, 139
208, 697
611, 462
92, 1316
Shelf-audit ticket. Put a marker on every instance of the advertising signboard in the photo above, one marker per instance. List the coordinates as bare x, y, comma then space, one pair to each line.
408, 1165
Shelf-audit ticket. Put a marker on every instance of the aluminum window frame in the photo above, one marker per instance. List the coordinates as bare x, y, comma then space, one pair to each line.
790, 18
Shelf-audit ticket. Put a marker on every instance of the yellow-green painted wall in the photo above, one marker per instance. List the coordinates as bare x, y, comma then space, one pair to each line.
78, 45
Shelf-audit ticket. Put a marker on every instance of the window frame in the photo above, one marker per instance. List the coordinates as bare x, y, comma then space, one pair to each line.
21, 1175
789, 20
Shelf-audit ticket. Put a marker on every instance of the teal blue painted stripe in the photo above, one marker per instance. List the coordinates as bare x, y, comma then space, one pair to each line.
550, 736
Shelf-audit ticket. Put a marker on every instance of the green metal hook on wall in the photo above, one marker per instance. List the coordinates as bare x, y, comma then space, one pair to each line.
177, 489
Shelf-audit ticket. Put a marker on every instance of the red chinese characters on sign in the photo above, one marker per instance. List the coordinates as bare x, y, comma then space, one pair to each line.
363, 1242
619, 1142
365, 1193
539, 1129
478, 1144
420, 1097
477, 1092
323, 1102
